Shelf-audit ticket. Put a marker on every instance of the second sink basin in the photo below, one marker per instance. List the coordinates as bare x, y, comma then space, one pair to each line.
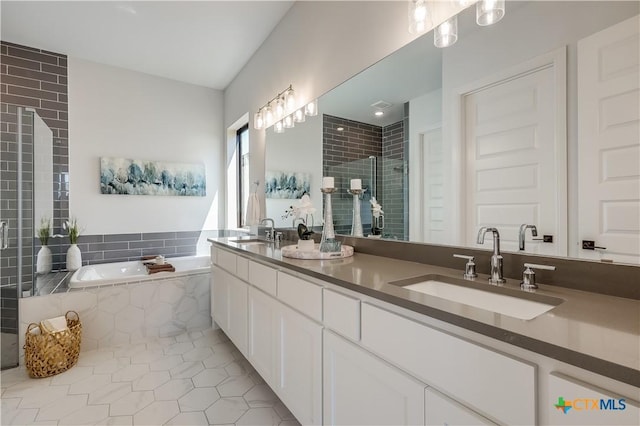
249, 241
525, 306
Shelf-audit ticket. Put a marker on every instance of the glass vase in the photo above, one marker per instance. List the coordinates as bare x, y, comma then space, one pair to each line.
328, 243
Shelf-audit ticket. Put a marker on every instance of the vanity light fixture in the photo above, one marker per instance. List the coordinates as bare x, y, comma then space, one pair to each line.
417, 16
282, 112
489, 12
446, 33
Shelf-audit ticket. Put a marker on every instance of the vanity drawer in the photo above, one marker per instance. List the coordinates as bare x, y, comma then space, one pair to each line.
242, 268
500, 386
300, 295
263, 277
226, 260
341, 313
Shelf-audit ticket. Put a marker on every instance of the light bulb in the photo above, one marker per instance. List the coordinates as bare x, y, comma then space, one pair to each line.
299, 116
446, 33
489, 12
290, 100
279, 110
268, 115
258, 120
417, 16
288, 122
278, 127
311, 109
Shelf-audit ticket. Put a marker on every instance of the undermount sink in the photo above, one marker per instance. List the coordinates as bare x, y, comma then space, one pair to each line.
521, 305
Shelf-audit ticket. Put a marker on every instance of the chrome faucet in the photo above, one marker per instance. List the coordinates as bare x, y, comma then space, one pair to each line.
523, 229
496, 258
270, 234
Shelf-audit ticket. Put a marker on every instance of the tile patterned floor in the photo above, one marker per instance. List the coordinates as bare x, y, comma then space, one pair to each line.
196, 378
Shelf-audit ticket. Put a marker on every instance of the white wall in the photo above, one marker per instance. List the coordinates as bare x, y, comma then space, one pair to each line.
317, 46
425, 186
120, 113
296, 150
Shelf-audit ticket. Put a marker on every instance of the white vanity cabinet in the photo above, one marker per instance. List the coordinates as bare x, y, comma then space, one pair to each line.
285, 346
494, 384
229, 300
588, 405
263, 350
443, 411
361, 389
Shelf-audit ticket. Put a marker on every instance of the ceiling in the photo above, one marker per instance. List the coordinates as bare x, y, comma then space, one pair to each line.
200, 42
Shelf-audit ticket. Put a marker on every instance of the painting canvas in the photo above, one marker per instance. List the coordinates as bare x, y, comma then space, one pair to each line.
142, 177
286, 184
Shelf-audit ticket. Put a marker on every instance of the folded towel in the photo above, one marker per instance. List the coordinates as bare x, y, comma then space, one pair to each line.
53, 325
167, 267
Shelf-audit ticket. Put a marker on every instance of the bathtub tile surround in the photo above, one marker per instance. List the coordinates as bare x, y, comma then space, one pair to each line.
127, 247
147, 383
127, 313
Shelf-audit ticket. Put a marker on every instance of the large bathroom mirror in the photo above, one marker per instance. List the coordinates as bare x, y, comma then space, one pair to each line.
533, 120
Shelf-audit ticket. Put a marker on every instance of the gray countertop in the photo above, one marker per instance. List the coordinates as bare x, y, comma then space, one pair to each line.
596, 332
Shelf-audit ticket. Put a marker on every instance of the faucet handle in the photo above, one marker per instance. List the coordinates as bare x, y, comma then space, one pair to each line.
529, 276
469, 268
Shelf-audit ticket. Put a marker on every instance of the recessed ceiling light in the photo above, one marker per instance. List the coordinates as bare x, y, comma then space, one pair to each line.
379, 113
340, 129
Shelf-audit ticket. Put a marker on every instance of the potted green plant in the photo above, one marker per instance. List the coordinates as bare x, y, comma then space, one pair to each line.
74, 255
44, 258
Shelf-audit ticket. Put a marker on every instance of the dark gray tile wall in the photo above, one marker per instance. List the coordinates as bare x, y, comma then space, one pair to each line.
127, 247
346, 156
37, 79
394, 181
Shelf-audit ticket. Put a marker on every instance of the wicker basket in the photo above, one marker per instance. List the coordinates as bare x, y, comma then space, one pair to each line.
47, 354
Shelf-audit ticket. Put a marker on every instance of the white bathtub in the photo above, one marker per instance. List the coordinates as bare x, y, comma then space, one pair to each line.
123, 272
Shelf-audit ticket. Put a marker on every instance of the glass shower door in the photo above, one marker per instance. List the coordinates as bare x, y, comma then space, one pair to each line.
25, 148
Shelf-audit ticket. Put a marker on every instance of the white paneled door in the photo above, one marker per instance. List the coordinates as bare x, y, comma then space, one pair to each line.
515, 143
609, 143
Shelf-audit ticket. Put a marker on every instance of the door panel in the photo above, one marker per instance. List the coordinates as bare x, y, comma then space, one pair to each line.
514, 143
609, 143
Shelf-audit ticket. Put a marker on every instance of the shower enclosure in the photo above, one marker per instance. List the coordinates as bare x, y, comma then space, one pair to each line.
26, 196
383, 178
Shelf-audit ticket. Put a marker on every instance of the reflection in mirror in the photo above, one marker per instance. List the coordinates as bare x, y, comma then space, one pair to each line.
497, 130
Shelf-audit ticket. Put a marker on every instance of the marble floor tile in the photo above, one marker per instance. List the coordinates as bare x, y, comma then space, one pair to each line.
131, 403
195, 378
226, 410
198, 399
157, 413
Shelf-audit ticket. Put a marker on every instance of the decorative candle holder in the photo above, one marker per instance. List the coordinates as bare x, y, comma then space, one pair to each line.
356, 222
328, 243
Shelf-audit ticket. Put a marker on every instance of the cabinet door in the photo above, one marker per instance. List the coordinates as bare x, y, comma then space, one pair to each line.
237, 308
440, 410
220, 298
573, 402
300, 381
263, 334
359, 388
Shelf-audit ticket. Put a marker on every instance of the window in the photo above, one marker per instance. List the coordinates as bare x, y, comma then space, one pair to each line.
243, 187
